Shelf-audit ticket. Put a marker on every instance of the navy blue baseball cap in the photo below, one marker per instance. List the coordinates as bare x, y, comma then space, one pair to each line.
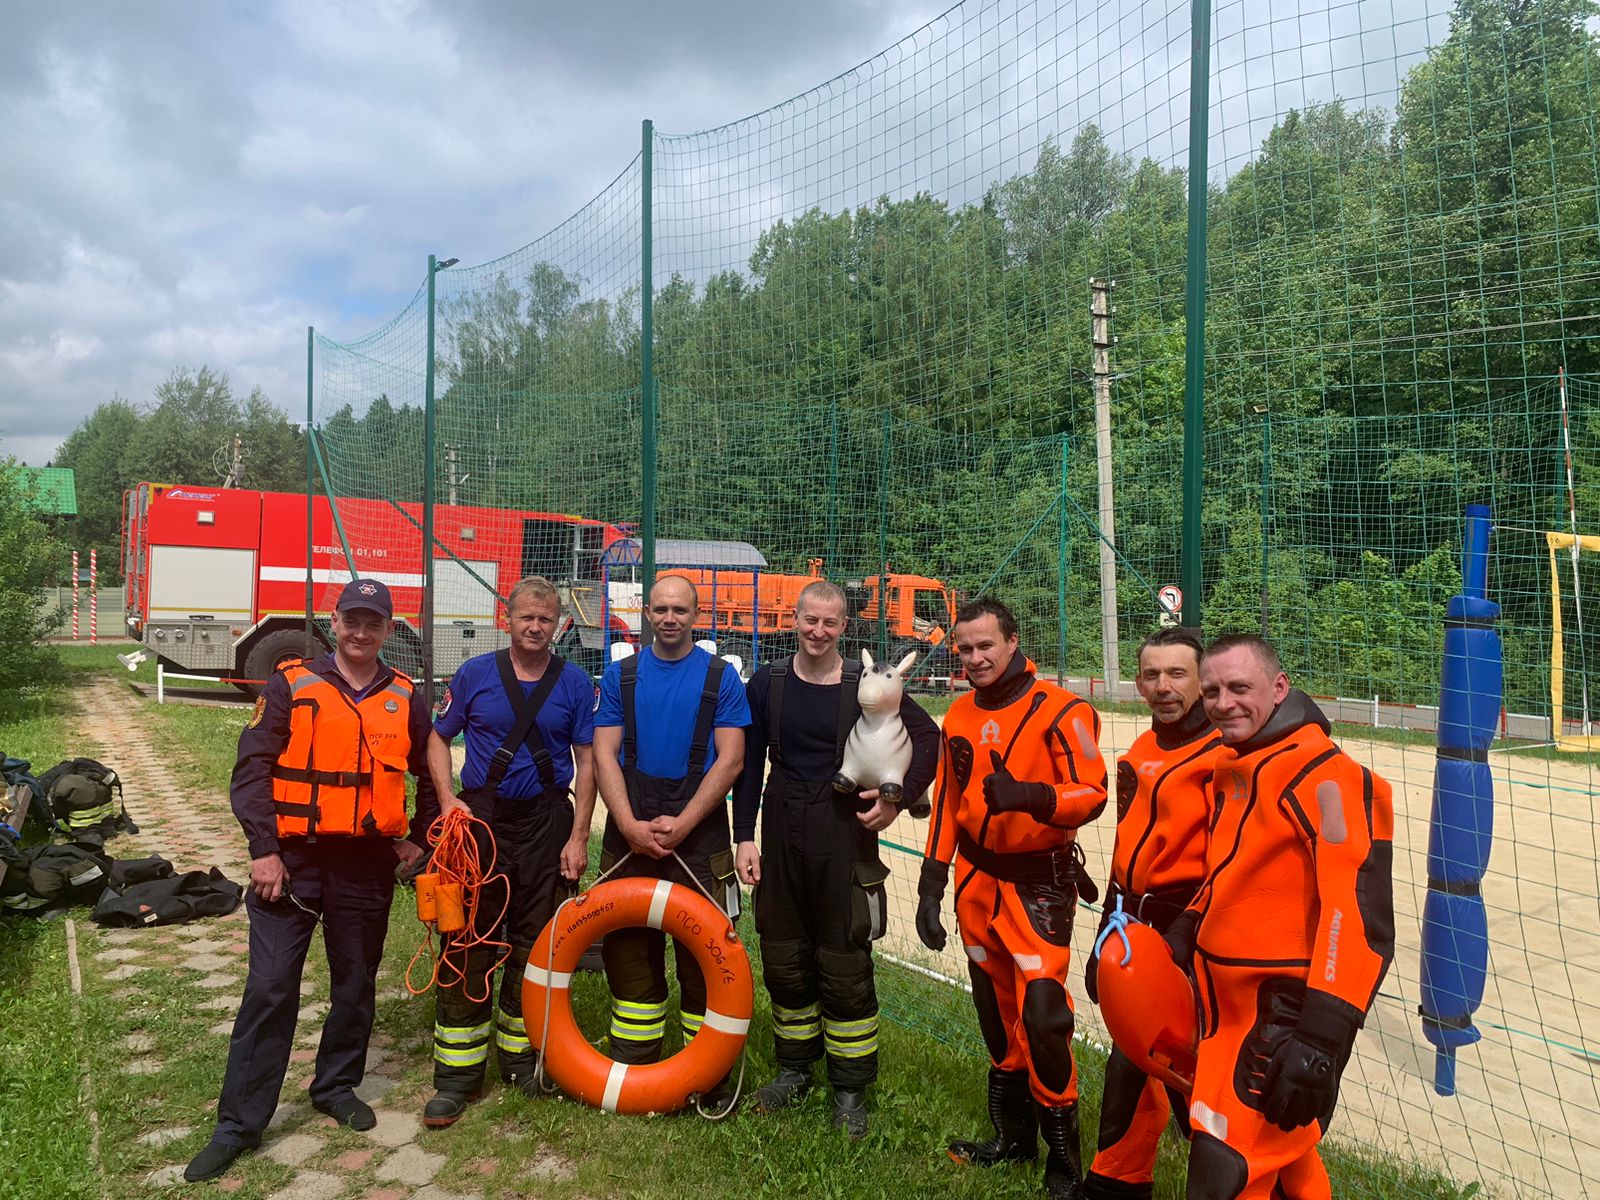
368, 594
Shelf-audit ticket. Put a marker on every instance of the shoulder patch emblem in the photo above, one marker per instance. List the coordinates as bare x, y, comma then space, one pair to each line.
442, 706
258, 712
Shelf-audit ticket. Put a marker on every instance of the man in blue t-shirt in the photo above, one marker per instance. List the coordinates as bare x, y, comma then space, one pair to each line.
529, 772
668, 745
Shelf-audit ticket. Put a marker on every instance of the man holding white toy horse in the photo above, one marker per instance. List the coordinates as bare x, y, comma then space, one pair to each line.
834, 784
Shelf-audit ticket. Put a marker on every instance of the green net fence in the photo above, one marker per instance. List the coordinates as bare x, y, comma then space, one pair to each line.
874, 358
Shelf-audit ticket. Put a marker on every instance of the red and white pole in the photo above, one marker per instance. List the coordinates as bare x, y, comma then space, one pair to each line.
94, 600
74, 595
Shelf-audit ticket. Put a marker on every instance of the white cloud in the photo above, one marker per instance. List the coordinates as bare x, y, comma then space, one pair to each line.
193, 185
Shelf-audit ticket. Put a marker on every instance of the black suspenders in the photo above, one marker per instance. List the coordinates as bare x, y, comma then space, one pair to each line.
628, 681
525, 729
849, 707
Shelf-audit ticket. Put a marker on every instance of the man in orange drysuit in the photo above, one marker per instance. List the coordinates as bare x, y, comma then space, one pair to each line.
1163, 813
1290, 934
1020, 770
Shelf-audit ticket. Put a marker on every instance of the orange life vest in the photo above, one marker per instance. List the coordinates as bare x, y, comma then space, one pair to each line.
343, 772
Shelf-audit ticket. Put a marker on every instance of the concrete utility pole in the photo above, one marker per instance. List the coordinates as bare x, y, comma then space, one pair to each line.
1102, 312
235, 476
450, 463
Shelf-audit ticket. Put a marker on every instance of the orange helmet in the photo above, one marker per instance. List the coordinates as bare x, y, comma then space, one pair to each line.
1148, 1004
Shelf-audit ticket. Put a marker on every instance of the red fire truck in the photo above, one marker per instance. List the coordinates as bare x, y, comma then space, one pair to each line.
216, 577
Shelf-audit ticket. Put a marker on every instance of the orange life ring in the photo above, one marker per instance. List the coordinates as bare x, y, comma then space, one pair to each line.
1149, 1005
681, 912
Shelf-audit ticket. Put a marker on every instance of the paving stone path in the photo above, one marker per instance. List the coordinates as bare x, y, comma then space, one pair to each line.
392, 1161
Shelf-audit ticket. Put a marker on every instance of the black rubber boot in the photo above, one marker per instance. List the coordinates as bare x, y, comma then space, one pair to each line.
788, 1088
1015, 1127
1063, 1163
1099, 1187
850, 1112
446, 1108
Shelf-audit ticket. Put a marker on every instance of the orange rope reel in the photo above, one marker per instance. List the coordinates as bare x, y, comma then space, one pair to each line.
450, 900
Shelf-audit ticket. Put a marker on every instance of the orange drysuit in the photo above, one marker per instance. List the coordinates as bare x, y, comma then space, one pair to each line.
1017, 876
1294, 930
1163, 816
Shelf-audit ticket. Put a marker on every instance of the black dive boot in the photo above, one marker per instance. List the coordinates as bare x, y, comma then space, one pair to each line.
1063, 1162
1016, 1130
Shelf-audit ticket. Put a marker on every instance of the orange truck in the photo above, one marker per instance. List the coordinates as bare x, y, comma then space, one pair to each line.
746, 608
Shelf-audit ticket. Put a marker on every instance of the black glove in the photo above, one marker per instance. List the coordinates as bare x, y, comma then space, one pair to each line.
1303, 1076
930, 896
1300, 1083
1002, 793
1180, 936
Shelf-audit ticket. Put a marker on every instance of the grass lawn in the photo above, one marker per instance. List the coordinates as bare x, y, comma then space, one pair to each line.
507, 1146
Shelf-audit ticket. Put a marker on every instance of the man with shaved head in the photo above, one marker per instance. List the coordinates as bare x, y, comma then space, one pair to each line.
668, 745
1290, 933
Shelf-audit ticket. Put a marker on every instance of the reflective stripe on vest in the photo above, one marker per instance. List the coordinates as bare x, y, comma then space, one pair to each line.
344, 769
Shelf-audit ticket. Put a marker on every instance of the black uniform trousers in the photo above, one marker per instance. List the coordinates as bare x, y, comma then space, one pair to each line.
819, 905
349, 881
528, 836
636, 959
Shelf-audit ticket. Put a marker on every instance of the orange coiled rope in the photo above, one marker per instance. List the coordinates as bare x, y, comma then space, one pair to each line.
450, 899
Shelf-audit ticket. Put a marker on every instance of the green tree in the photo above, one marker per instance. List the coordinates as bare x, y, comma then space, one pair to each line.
31, 559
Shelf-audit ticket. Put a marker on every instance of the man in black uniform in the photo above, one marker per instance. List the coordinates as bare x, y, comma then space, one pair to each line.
821, 897
319, 787
668, 744
528, 721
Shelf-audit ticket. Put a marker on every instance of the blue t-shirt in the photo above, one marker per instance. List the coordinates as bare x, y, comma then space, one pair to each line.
666, 704
476, 701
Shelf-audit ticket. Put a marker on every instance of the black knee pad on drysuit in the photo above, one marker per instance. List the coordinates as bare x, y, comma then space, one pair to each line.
1216, 1170
784, 972
845, 980
1047, 1017
1119, 1100
990, 1022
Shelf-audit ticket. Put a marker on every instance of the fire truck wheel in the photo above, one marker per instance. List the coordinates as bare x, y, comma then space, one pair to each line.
271, 652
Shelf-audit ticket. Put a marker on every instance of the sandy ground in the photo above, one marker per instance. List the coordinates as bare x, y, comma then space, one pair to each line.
1526, 1117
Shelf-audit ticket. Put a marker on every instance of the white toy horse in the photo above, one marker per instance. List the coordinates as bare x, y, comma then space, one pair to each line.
878, 752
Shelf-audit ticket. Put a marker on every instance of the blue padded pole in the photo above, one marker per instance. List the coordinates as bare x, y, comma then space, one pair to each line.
1455, 932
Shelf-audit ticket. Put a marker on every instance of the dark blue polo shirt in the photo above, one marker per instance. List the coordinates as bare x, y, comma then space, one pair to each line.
476, 701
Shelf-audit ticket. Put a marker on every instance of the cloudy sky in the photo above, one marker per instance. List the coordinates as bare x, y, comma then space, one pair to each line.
195, 183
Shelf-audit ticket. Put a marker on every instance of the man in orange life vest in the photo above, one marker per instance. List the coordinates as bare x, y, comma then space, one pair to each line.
1290, 934
1020, 771
319, 787
1163, 815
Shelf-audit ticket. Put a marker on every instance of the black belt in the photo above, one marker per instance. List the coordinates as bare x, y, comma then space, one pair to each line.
347, 779
1153, 908
1064, 869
